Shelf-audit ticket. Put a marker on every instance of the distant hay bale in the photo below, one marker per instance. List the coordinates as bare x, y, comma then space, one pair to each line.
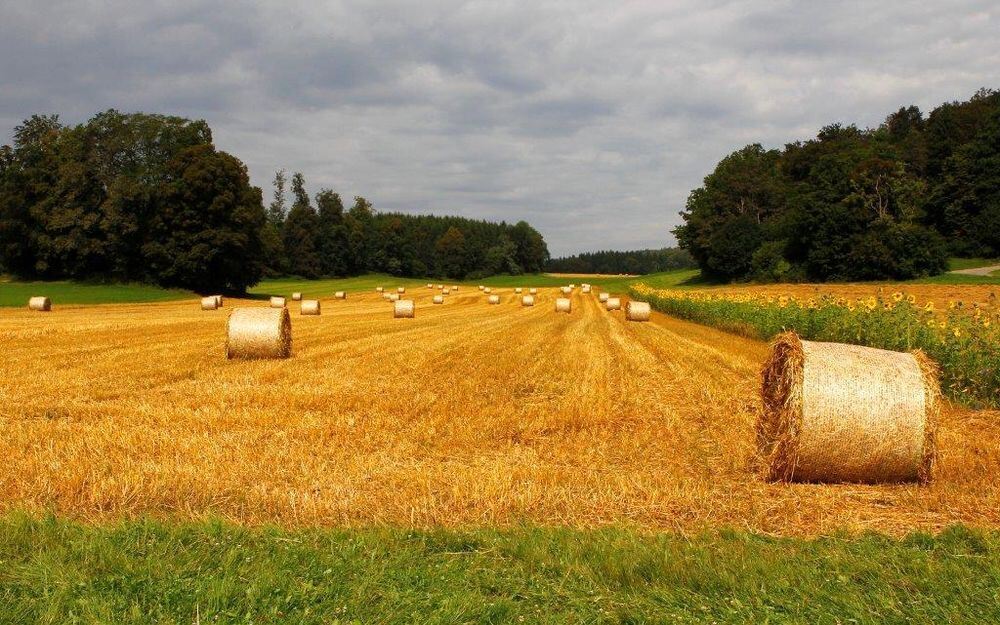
572, 286
340, 295
613, 303
566, 290
533, 291
430, 286
309, 307
445, 291
277, 302
379, 289
438, 299
528, 300
585, 288
602, 297
847, 413
259, 333
637, 311
296, 297
403, 308
218, 301
454, 287
401, 290
563, 304
494, 299
39, 303
487, 290
393, 297
209, 303
481, 287
517, 290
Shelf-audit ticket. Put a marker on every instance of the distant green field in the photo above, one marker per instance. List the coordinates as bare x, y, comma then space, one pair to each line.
57, 571
14, 293
971, 263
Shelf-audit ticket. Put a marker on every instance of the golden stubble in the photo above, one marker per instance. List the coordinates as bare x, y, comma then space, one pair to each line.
468, 414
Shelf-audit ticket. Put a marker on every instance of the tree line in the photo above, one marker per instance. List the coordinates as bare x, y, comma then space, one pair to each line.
148, 198
891, 202
631, 262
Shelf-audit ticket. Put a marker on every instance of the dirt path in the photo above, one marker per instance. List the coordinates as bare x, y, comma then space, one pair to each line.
978, 271
467, 414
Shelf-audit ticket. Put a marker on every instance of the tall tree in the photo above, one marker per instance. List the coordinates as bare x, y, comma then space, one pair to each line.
300, 233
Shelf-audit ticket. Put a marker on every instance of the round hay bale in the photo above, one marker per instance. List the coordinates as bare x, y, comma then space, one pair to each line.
563, 304
438, 299
528, 300
445, 291
309, 307
259, 333
340, 295
393, 297
518, 290
454, 288
379, 289
481, 287
637, 311
533, 291
602, 297
572, 286
296, 297
277, 302
847, 413
209, 303
401, 290
566, 290
613, 303
403, 308
39, 303
430, 286
494, 299
487, 290
218, 301
440, 286
585, 289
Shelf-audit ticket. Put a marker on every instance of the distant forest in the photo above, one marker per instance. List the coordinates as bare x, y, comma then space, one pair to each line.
633, 262
148, 198
852, 204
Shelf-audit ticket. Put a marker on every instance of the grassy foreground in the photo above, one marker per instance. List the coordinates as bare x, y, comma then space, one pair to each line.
55, 571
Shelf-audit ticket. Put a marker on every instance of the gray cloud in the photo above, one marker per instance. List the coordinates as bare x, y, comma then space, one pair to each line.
592, 120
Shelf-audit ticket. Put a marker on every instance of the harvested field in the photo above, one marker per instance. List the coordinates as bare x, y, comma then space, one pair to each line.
467, 414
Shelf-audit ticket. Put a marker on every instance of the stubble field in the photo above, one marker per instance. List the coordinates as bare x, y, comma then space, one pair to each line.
468, 414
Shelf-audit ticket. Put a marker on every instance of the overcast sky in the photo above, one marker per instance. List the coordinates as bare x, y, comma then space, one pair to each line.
590, 120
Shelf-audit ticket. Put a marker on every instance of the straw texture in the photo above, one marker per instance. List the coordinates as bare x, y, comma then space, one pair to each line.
528, 300
309, 307
494, 299
259, 333
846, 413
602, 297
613, 303
209, 303
39, 303
403, 308
563, 304
637, 311
277, 302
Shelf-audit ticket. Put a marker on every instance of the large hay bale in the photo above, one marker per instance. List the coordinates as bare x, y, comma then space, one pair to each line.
566, 290
403, 308
39, 303
259, 333
602, 297
563, 304
309, 307
533, 291
494, 299
528, 300
296, 297
340, 295
209, 303
277, 302
637, 311
847, 413
218, 301
517, 290
613, 303
438, 299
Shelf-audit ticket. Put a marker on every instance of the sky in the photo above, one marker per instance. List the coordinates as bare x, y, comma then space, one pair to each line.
590, 120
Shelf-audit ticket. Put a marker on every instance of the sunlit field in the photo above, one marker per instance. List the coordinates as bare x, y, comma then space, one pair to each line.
469, 414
